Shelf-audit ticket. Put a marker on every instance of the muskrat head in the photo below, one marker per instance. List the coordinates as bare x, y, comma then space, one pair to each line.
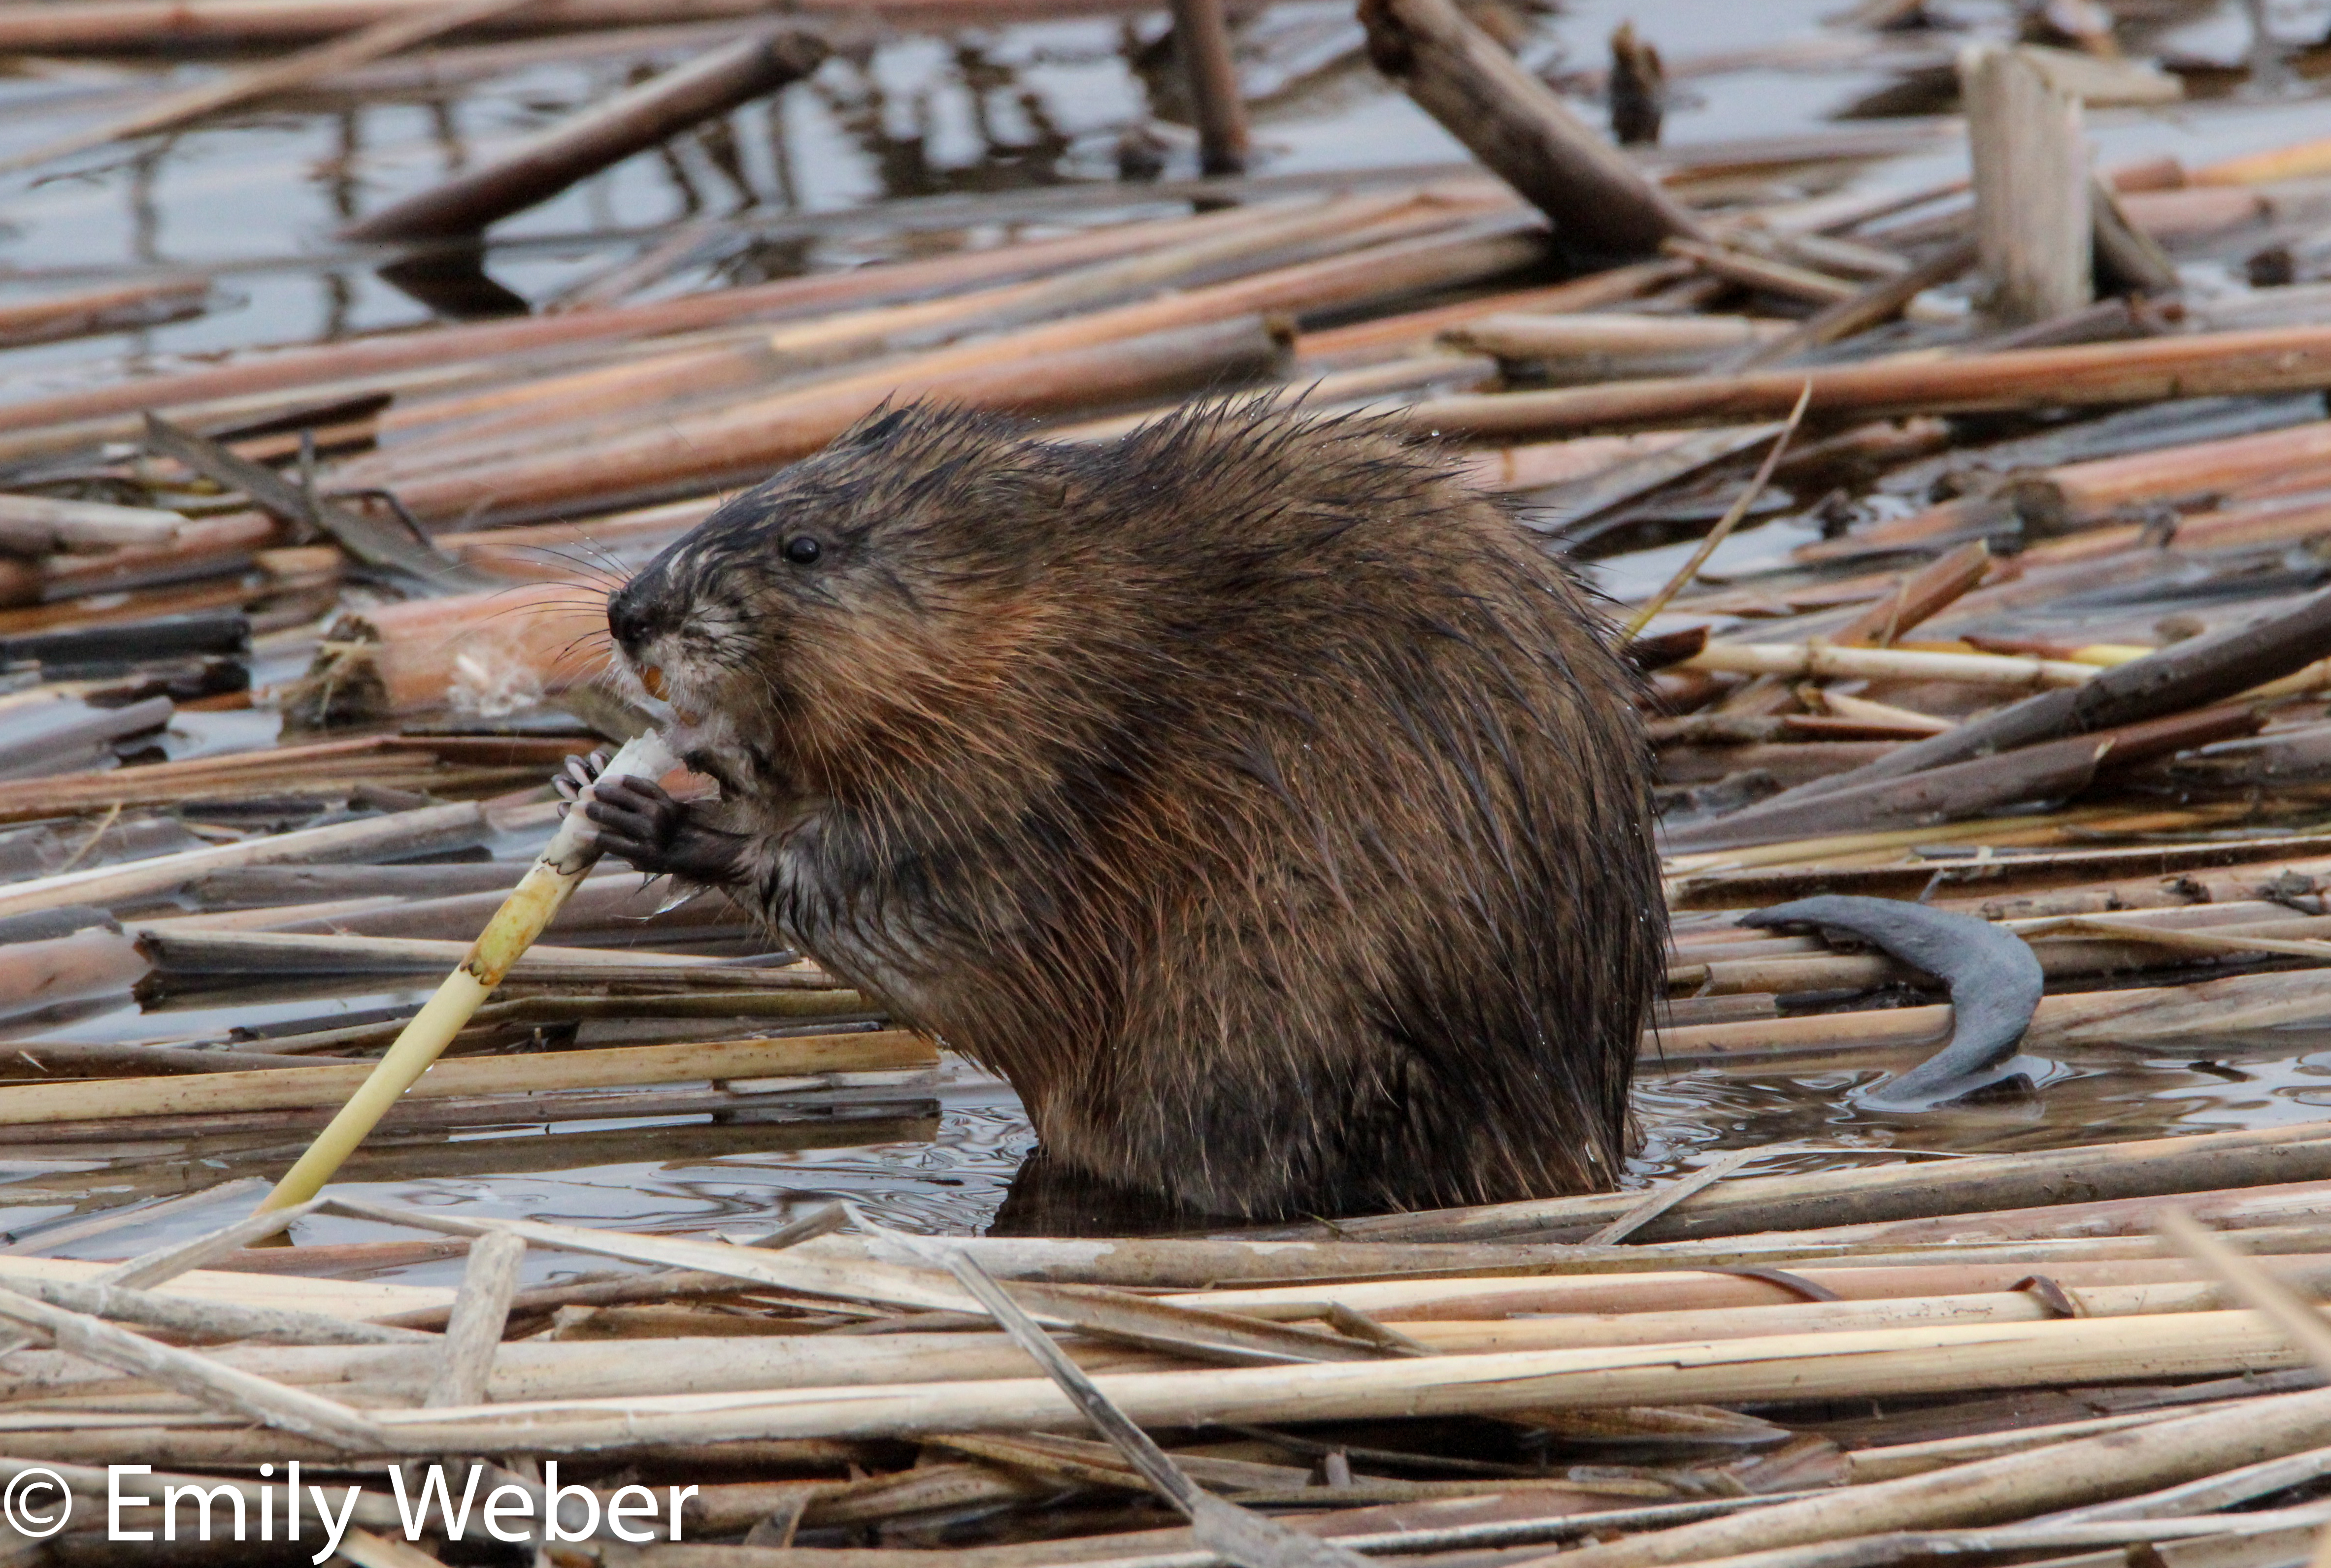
838, 622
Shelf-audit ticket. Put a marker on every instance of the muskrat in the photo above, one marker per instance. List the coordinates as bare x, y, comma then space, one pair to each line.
1253, 794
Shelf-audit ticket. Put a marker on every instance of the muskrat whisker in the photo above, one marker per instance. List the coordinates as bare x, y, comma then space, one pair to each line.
612, 558
581, 572
600, 565
542, 606
585, 640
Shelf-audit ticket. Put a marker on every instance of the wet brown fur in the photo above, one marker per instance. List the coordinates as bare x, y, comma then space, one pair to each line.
1256, 797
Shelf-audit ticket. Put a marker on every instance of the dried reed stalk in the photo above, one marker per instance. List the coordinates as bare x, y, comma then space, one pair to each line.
530, 908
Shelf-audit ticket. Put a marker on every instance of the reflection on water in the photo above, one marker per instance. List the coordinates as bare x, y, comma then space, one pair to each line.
1020, 142
948, 1155
953, 1181
2090, 1096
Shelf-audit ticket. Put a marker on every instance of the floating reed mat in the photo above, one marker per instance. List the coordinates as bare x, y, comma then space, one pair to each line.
1843, 1364
328, 1083
175, 951
425, 830
2141, 1168
496, 1136
1782, 1363
2282, 360
730, 1389
2129, 1016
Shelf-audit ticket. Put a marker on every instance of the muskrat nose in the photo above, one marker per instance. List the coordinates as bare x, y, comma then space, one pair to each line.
626, 622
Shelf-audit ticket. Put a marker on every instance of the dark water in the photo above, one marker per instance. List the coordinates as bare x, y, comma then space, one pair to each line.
929, 144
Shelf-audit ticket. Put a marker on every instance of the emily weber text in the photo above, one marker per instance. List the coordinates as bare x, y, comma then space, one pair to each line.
40, 1502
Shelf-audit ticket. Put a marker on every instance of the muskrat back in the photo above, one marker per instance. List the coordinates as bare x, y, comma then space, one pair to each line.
1252, 794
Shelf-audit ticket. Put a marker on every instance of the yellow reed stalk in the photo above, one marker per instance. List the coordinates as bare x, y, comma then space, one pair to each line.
1999, 830
1819, 659
2299, 161
1840, 706
573, 851
2297, 683
2104, 655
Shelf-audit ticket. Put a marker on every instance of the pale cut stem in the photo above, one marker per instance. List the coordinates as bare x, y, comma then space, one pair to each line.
573, 851
481, 1313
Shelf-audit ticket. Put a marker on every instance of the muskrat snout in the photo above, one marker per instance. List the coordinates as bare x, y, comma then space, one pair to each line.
636, 630
627, 619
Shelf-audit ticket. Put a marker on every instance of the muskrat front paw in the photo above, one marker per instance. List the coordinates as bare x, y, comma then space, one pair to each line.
572, 779
639, 823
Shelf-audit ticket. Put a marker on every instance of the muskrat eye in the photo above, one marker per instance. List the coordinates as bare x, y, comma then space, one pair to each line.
800, 549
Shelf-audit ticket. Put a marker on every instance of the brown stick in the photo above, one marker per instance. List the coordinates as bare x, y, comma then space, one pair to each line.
1767, 273
1554, 462
515, 418
2144, 370
1513, 122
382, 38
315, 1086
2301, 1204
1414, 331
1880, 302
36, 526
1599, 336
430, 828
1910, 1191
112, 309
76, 1059
474, 1331
2274, 522
712, 83
1202, 38
2266, 463
2163, 876
740, 442
2046, 771
790, 297
2252, 1284
2183, 675
403, 657
2012, 1486
132, 26
1943, 1359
